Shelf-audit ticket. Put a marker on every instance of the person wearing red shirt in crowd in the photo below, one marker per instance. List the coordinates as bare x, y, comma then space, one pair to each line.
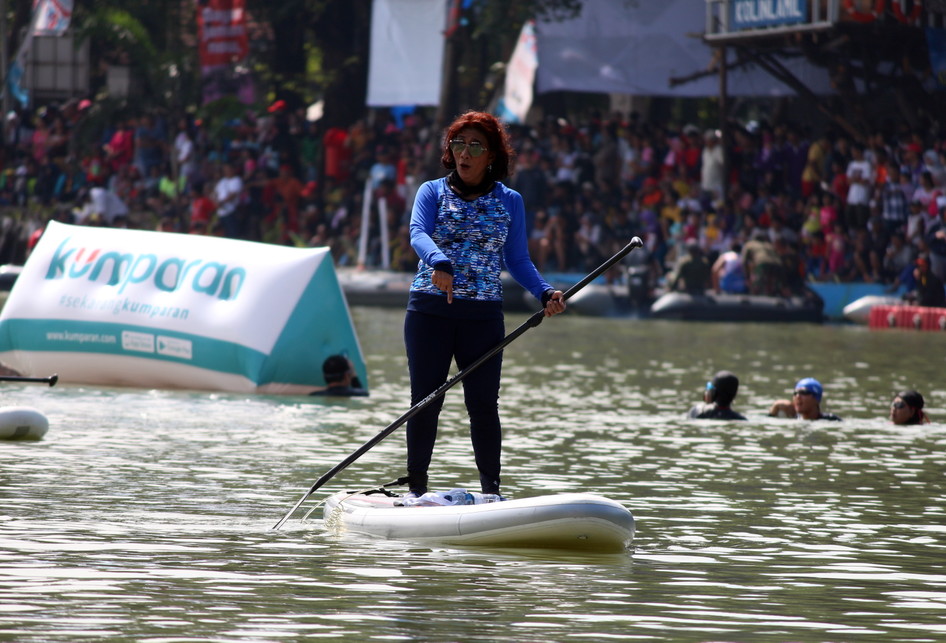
34, 239
839, 184
96, 169
203, 205
691, 154
651, 196
337, 154
120, 149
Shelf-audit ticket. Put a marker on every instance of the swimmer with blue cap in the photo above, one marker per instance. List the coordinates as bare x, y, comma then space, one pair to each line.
805, 404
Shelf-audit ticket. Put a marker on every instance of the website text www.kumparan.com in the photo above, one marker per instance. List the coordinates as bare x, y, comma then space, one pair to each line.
81, 338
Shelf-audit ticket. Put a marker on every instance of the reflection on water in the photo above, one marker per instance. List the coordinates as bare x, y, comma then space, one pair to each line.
146, 515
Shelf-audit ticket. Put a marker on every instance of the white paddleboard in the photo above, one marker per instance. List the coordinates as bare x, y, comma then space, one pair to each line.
575, 521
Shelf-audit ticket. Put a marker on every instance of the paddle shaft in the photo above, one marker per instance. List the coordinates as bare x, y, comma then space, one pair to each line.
533, 321
51, 380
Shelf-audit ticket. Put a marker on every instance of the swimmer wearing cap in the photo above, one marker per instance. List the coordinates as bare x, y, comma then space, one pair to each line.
806, 399
717, 398
340, 378
907, 408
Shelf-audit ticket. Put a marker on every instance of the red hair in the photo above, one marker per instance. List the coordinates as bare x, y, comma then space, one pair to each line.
497, 143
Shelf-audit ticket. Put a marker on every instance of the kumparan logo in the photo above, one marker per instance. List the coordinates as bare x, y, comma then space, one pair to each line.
209, 278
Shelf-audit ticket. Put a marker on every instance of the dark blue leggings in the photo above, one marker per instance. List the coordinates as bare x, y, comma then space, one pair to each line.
432, 344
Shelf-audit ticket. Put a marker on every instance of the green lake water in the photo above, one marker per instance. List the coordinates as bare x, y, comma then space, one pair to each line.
146, 515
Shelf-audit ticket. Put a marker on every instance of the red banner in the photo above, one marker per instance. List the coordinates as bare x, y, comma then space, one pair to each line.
221, 27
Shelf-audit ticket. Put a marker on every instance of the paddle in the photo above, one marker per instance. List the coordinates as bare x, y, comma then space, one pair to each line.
533, 321
51, 380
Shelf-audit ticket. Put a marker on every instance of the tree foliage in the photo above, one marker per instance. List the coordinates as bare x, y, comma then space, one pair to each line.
148, 36
301, 50
333, 37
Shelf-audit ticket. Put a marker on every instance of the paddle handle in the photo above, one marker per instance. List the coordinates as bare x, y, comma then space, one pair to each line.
51, 380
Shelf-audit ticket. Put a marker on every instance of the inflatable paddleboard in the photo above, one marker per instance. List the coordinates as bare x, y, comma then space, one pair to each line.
573, 521
22, 423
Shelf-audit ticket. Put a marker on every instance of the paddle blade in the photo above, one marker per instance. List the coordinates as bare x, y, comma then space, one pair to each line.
283, 520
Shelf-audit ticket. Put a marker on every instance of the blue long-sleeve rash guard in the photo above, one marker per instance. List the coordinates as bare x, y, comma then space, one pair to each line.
467, 238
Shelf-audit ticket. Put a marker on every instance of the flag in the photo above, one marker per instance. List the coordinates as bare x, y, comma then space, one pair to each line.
14, 78
520, 76
52, 17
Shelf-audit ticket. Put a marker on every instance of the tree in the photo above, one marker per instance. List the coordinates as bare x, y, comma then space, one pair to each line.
485, 36
301, 50
334, 37
148, 36
317, 49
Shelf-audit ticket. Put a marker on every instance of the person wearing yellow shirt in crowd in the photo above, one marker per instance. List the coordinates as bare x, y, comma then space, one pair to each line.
670, 214
169, 186
812, 224
710, 234
813, 174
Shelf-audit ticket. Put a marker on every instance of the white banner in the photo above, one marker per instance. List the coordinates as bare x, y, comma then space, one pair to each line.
637, 48
520, 76
406, 59
154, 309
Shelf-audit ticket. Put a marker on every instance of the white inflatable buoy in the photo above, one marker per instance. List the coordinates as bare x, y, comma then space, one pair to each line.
22, 423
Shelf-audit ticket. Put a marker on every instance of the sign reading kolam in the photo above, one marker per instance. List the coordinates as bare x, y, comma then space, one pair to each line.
162, 310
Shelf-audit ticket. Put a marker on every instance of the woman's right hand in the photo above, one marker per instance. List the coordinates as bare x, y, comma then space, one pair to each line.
443, 281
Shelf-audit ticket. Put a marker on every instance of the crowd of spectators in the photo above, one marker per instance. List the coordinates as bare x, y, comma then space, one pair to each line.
792, 203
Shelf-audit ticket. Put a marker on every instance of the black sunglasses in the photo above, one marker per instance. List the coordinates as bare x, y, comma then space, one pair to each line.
898, 405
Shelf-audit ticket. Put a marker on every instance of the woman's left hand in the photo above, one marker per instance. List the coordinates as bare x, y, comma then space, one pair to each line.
556, 304
444, 281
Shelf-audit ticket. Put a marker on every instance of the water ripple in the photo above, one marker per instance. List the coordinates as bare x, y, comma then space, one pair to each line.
147, 515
